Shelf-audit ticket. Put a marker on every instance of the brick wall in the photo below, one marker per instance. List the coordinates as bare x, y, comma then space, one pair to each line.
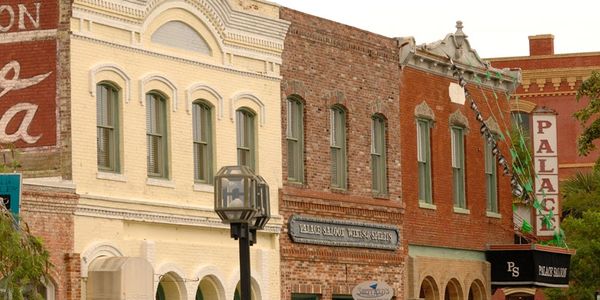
442, 227
49, 214
327, 63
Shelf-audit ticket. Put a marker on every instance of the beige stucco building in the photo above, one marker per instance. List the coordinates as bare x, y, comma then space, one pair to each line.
144, 74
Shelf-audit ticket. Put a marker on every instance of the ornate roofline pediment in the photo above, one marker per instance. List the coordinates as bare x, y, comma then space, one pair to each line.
455, 48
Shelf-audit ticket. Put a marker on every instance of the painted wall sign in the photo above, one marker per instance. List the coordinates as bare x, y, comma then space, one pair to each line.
372, 290
546, 166
529, 267
28, 73
342, 233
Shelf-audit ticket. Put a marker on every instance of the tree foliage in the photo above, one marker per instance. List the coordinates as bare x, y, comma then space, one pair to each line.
581, 223
588, 116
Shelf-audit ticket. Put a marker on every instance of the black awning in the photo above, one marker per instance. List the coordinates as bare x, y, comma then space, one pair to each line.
529, 265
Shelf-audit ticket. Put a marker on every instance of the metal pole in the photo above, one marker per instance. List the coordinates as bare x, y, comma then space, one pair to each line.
244, 262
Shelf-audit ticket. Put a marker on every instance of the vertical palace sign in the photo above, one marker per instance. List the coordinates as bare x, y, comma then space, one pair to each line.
28, 60
546, 167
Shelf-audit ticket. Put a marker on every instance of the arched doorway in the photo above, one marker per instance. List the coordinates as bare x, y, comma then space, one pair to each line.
170, 287
208, 289
477, 291
254, 295
429, 289
453, 290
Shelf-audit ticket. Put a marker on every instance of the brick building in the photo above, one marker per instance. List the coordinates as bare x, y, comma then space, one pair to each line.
457, 201
341, 196
123, 112
544, 105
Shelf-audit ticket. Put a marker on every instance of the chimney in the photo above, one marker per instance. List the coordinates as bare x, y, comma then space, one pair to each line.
542, 44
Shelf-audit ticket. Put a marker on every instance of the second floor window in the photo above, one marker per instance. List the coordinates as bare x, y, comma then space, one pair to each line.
458, 167
491, 181
246, 138
202, 122
295, 140
338, 147
424, 160
156, 135
378, 156
107, 127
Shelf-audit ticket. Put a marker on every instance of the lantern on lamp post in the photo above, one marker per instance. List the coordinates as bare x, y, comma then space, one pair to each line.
242, 200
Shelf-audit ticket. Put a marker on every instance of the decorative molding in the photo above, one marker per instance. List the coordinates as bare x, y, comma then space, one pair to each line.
95, 250
457, 118
424, 111
139, 51
110, 67
493, 126
160, 78
246, 95
522, 106
215, 275
455, 49
203, 87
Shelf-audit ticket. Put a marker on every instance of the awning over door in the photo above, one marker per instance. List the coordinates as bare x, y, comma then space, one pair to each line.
529, 265
120, 278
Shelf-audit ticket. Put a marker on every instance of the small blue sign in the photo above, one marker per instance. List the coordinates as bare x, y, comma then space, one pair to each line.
10, 191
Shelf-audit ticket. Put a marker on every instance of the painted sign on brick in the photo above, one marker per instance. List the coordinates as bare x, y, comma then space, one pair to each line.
28, 73
546, 167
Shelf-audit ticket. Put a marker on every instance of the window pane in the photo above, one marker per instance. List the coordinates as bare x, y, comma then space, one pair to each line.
458, 167
202, 122
245, 138
491, 179
338, 148
156, 136
107, 128
423, 160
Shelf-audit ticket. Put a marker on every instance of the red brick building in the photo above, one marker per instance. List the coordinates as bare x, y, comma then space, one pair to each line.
341, 197
548, 89
36, 119
456, 197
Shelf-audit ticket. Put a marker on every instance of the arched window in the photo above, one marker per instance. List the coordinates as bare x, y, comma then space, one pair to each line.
337, 123
246, 139
295, 140
378, 155
203, 145
156, 134
107, 127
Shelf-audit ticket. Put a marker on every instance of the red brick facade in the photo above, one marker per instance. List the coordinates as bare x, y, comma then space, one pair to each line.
326, 63
551, 80
442, 227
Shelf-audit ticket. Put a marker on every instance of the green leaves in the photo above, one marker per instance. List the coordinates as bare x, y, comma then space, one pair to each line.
589, 91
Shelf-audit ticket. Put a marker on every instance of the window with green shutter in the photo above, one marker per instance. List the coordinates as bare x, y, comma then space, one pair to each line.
378, 155
295, 140
107, 128
458, 167
491, 180
156, 134
246, 138
338, 147
424, 159
203, 146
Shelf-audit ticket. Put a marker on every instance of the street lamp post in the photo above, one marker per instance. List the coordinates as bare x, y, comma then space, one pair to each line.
242, 200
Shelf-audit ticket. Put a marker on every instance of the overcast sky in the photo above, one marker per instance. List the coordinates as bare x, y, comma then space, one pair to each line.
495, 28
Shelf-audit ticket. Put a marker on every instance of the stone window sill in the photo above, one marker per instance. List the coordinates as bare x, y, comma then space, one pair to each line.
111, 176
426, 205
492, 214
160, 182
460, 210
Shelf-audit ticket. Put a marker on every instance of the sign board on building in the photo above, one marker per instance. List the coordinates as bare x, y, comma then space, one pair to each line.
10, 191
372, 290
28, 33
545, 158
343, 233
529, 267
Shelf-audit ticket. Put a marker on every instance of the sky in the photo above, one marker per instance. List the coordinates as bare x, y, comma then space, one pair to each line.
494, 28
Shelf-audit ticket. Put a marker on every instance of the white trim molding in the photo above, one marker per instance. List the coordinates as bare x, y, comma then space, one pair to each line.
160, 78
203, 87
95, 250
110, 67
245, 95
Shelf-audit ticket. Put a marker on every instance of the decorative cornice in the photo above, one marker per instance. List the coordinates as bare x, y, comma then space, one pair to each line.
521, 105
231, 26
153, 212
457, 118
556, 77
179, 59
455, 49
493, 126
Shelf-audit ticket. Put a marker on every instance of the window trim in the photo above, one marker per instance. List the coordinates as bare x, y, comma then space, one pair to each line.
295, 122
115, 128
207, 129
459, 197
246, 133
163, 158
337, 141
379, 183
426, 161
